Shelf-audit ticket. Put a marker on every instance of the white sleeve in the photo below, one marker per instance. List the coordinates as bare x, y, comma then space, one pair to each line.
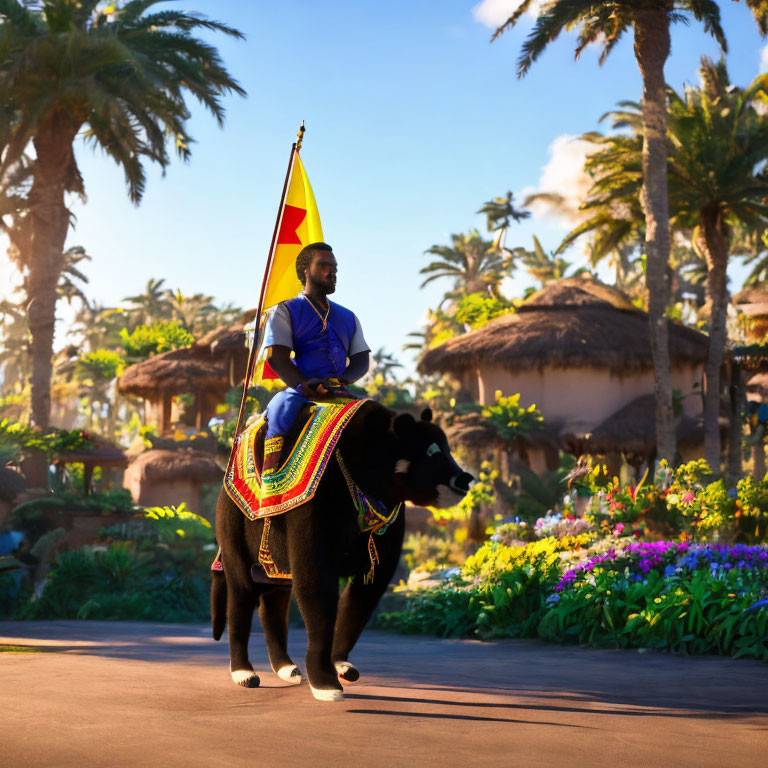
279, 329
358, 343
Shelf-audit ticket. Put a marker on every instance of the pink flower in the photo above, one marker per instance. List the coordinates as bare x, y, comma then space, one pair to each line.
688, 497
618, 529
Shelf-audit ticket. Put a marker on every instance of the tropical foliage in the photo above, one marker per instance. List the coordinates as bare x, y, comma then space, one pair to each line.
120, 76
153, 568
676, 596
716, 149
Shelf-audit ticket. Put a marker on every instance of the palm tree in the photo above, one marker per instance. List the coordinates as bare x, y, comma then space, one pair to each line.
152, 305
195, 313
471, 262
500, 212
605, 23
718, 143
120, 78
72, 277
546, 268
98, 327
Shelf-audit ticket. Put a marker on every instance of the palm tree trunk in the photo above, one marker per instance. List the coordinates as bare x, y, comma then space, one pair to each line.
41, 237
738, 391
714, 242
652, 46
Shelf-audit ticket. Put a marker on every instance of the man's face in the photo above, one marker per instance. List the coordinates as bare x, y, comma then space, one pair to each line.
322, 271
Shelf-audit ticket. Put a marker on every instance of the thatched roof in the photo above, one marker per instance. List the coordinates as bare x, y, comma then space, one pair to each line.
752, 294
576, 291
174, 372
633, 429
156, 466
222, 339
752, 300
474, 432
12, 483
566, 326
99, 452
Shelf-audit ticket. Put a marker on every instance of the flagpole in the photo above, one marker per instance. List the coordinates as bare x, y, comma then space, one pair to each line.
295, 147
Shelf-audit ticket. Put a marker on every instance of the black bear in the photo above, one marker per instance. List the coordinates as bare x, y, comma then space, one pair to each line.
389, 458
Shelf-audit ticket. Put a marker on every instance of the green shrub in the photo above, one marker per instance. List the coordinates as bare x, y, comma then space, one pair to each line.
17, 440
100, 365
155, 567
147, 340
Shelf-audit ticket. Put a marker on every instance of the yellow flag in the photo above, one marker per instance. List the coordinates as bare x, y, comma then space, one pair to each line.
299, 226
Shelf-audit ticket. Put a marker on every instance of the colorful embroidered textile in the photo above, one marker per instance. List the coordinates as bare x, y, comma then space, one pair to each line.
296, 481
372, 515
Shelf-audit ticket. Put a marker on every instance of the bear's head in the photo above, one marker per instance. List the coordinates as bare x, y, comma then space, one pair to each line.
425, 471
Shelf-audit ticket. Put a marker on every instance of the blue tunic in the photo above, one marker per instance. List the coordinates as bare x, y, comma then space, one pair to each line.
318, 353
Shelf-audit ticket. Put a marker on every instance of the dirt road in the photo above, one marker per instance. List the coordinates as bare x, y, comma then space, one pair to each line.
123, 694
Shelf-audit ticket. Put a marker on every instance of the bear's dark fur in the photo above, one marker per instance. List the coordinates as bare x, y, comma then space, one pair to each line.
391, 458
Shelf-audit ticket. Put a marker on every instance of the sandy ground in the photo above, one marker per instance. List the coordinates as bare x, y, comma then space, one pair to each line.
129, 694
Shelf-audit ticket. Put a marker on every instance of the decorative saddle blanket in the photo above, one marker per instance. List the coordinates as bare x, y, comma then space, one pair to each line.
296, 481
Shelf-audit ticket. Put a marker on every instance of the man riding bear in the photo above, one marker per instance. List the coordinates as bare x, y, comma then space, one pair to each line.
327, 342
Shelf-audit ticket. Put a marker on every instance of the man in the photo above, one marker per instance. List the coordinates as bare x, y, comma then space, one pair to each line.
326, 340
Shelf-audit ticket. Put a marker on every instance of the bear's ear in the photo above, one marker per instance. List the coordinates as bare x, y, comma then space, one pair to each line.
404, 424
377, 421
426, 414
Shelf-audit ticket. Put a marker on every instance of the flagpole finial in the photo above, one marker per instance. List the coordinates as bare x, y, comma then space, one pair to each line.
300, 136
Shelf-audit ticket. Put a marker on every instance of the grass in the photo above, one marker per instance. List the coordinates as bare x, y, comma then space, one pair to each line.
4, 648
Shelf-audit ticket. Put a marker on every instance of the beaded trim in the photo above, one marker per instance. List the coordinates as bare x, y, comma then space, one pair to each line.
372, 515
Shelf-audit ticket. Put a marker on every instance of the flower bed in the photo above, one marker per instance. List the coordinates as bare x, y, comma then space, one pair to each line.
676, 595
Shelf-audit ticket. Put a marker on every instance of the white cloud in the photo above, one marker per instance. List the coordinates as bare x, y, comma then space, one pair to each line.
764, 59
564, 176
493, 13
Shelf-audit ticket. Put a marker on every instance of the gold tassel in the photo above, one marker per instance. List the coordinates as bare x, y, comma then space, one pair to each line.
374, 555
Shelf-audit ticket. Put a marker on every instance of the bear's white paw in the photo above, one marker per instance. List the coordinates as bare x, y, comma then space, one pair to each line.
327, 694
290, 673
245, 677
347, 671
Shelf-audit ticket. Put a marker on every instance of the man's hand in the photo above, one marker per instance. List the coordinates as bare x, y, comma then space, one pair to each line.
315, 389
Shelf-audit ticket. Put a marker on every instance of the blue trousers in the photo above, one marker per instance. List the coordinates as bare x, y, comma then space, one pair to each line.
282, 411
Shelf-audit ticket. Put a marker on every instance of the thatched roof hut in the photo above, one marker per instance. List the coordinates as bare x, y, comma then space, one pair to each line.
472, 432
159, 477
207, 369
752, 296
632, 430
99, 452
179, 371
753, 302
567, 326
175, 372
581, 353
571, 291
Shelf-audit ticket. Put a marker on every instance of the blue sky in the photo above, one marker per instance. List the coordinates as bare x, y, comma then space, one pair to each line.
413, 121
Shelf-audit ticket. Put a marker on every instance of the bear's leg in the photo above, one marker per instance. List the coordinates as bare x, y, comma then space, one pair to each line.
241, 600
273, 614
359, 600
317, 593
355, 608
